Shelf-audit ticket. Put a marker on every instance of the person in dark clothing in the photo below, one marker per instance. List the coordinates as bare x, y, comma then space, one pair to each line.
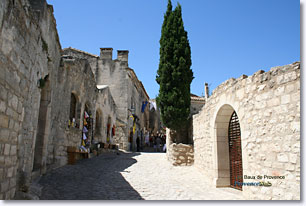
137, 143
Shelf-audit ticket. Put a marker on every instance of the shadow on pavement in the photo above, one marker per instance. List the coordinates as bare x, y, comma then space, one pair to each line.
97, 178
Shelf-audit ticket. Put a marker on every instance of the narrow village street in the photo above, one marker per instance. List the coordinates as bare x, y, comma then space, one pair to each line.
130, 176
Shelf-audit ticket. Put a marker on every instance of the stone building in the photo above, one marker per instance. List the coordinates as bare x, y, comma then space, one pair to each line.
105, 107
155, 119
250, 127
29, 60
41, 93
129, 94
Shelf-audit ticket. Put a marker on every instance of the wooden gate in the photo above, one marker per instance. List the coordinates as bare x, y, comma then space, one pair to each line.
235, 155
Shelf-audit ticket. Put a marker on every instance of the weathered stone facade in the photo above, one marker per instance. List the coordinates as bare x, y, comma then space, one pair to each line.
129, 95
29, 52
36, 90
196, 104
154, 118
104, 112
268, 108
128, 92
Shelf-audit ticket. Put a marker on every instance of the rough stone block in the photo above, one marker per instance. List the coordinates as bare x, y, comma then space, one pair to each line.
3, 93
13, 150
280, 79
290, 88
2, 106
4, 121
4, 134
279, 91
19, 108
2, 162
285, 99
10, 172
16, 127
12, 195
240, 94
7, 161
261, 87
273, 102
7, 148
290, 77
295, 126
293, 158
282, 157
13, 137
289, 167
13, 102
11, 123
1, 174
182, 157
13, 182
260, 105
4, 186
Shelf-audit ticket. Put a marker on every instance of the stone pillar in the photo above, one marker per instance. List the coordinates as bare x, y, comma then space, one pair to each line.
123, 55
104, 64
106, 53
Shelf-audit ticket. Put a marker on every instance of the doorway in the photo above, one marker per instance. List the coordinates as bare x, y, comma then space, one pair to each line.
228, 159
42, 125
235, 156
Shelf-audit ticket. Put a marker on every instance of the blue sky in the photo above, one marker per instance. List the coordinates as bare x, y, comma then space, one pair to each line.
228, 38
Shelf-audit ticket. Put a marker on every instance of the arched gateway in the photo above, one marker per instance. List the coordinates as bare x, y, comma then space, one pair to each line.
235, 155
228, 149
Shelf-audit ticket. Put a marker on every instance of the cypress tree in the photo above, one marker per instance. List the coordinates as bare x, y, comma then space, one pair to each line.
174, 74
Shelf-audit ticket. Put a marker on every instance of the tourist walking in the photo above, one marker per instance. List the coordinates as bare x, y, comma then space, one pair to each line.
158, 141
147, 139
137, 143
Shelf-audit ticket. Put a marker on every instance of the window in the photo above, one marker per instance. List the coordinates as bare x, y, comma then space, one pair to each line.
73, 103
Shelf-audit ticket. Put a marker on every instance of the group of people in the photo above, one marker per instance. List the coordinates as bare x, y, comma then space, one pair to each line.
157, 141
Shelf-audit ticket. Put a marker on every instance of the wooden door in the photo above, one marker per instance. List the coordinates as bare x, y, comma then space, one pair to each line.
235, 155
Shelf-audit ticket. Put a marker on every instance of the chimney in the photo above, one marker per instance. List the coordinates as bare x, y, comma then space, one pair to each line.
106, 53
123, 55
206, 91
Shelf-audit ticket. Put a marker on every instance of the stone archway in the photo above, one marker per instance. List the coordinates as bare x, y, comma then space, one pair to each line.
224, 151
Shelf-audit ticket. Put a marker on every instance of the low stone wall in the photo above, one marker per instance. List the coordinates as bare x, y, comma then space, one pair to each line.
179, 154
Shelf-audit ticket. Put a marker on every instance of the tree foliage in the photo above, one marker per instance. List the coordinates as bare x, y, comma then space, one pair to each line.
174, 74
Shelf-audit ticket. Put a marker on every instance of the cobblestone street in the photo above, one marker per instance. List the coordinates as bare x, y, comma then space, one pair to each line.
130, 176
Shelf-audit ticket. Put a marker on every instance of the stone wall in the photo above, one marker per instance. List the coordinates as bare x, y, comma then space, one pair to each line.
125, 88
91, 58
29, 53
37, 91
105, 104
107, 109
74, 77
179, 154
268, 109
35, 96
135, 98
